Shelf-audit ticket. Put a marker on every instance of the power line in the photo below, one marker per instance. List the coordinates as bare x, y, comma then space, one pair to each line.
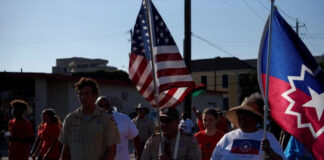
263, 5
313, 42
212, 44
260, 17
290, 17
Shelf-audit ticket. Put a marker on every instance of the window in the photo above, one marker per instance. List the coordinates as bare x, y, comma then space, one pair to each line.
204, 80
124, 95
211, 105
225, 81
82, 66
225, 104
93, 65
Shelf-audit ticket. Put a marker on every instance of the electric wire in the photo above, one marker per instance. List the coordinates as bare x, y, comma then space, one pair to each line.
313, 42
212, 44
250, 7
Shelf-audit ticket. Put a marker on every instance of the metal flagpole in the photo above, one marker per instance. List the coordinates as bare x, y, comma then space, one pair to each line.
149, 20
266, 103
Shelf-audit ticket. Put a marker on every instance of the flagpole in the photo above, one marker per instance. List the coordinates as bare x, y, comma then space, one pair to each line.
149, 20
266, 103
266, 99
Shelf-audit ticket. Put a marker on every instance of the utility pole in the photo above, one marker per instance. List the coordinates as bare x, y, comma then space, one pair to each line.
187, 50
297, 26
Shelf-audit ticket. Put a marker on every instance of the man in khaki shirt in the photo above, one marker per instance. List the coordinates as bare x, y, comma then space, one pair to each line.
188, 147
144, 125
88, 132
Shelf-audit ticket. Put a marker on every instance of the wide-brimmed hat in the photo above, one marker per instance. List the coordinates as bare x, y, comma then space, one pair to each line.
170, 113
248, 106
140, 106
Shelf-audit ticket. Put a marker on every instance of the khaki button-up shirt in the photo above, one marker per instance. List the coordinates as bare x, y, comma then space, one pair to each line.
188, 148
88, 136
145, 128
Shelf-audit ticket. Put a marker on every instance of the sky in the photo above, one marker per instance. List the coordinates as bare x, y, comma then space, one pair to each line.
34, 33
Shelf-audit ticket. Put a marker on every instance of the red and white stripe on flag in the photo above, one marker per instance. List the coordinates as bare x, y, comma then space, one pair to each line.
173, 80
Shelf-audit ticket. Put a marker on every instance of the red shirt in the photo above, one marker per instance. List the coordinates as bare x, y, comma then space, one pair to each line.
207, 143
49, 136
221, 124
200, 124
20, 129
41, 128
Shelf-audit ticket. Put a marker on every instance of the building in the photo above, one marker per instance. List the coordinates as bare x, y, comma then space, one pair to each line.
223, 74
42, 90
79, 64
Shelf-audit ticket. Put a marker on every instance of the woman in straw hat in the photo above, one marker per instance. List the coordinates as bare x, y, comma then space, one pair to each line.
246, 142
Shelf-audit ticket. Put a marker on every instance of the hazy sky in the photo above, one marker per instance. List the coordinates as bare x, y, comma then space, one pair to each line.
34, 33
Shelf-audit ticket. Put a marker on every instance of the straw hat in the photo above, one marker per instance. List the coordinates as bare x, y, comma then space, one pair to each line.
248, 106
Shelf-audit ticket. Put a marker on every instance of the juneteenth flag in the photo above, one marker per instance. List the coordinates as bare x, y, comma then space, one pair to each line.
296, 85
173, 80
245, 146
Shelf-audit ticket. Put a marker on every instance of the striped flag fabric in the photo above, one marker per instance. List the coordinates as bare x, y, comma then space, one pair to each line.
173, 80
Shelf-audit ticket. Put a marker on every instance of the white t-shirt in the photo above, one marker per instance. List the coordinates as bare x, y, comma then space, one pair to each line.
244, 146
186, 125
127, 131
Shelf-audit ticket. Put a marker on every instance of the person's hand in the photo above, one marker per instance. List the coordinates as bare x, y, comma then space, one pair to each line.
269, 153
265, 146
33, 156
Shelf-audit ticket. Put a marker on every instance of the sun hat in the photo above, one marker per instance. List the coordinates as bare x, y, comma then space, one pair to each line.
247, 106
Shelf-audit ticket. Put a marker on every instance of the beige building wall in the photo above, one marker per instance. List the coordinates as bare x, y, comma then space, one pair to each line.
233, 89
58, 96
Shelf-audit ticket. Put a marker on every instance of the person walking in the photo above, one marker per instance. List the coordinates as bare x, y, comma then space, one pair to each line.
187, 147
21, 134
89, 132
144, 125
246, 142
208, 138
126, 128
47, 146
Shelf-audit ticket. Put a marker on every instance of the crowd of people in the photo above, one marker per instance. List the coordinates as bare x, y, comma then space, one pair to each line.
96, 131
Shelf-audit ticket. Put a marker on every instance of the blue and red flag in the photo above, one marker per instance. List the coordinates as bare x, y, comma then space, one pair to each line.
173, 80
245, 146
296, 85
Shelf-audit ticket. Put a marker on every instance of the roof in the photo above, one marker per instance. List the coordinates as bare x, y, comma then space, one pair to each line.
60, 77
221, 64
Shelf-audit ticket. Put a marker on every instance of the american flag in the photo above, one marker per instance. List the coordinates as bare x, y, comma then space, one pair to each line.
173, 80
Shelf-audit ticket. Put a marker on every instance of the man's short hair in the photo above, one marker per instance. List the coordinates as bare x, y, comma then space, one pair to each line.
19, 104
85, 81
